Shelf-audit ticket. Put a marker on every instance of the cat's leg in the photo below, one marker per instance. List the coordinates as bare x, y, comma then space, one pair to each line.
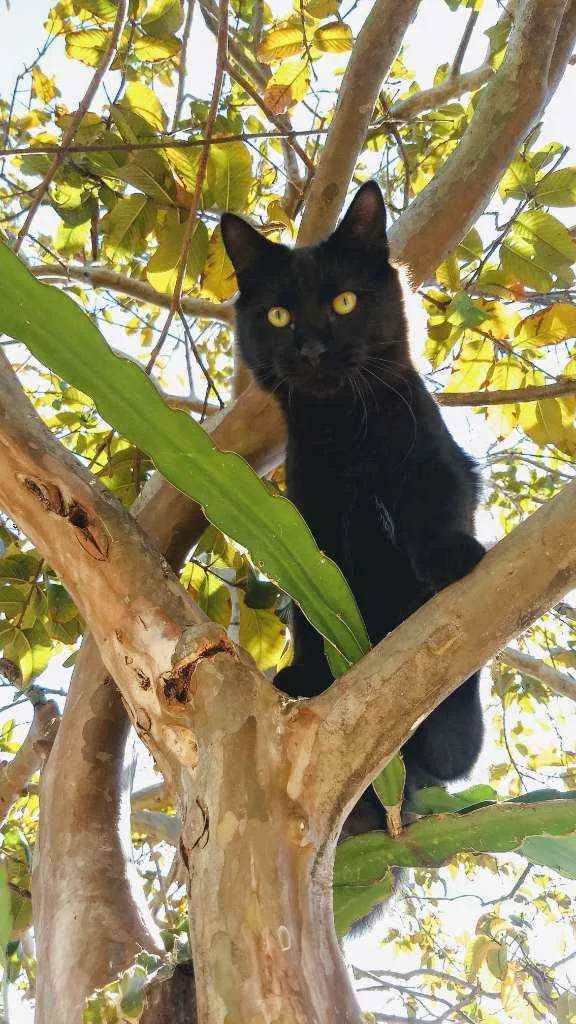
309, 673
446, 746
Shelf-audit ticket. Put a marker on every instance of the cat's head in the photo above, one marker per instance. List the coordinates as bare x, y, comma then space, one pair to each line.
311, 319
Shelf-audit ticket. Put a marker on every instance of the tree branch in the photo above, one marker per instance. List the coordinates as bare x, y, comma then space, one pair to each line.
510, 396
101, 69
376, 47
540, 44
559, 682
31, 755
372, 710
100, 277
437, 95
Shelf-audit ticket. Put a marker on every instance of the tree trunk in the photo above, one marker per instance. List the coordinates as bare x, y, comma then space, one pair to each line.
261, 923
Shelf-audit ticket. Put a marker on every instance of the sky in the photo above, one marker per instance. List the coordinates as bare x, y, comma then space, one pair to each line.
430, 41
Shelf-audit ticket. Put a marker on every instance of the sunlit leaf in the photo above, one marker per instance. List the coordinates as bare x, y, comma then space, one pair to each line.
287, 86
334, 38
218, 278
280, 43
558, 188
229, 175
163, 18
163, 265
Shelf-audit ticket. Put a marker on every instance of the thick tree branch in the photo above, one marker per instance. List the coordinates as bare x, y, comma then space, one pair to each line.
100, 277
540, 44
559, 682
86, 932
371, 711
76, 119
31, 755
376, 47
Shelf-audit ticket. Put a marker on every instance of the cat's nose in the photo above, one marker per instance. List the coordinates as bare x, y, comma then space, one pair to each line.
312, 351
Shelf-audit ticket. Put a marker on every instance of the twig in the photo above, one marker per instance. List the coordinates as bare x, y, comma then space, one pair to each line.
461, 51
202, 165
166, 142
182, 67
102, 68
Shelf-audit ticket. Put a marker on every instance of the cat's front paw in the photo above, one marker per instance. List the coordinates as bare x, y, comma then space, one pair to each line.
449, 558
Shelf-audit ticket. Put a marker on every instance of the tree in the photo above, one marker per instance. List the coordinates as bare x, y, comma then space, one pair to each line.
117, 203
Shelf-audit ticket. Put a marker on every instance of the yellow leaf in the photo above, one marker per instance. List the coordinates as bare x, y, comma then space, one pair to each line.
333, 38
287, 86
149, 49
473, 368
261, 634
43, 87
143, 101
280, 43
550, 421
218, 279
548, 327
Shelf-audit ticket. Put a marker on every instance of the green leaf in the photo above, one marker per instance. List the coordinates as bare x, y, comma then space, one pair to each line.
353, 902
128, 224
433, 841
61, 336
551, 852
435, 800
557, 188
229, 175
150, 50
463, 312
519, 180
149, 173
389, 784
163, 18
517, 258
163, 266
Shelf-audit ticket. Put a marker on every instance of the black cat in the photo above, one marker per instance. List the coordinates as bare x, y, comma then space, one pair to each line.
386, 490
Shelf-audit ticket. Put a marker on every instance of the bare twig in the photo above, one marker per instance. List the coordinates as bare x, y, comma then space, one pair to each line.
463, 46
202, 165
166, 142
182, 67
101, 69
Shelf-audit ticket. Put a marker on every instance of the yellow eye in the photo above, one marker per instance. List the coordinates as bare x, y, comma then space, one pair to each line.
344, 303
278, 316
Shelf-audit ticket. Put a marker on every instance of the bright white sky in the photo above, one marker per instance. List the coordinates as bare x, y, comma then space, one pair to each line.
432, 40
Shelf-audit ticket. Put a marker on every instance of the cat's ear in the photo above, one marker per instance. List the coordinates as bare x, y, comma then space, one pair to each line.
365, 218
243, 243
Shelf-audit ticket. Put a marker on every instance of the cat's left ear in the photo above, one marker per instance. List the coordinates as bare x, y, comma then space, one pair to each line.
365, 218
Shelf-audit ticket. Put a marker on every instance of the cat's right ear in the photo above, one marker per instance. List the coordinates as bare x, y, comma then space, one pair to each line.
243, 243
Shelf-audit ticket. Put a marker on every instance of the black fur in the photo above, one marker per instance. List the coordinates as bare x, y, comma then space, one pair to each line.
387, 492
